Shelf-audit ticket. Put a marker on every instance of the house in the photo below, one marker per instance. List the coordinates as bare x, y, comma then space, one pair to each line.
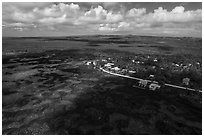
143, 83
116, 68
124, 70
108, 64
151, 76
131, 71
153, 67
154, 86
94, 63
155, 60
88, 63
186, 81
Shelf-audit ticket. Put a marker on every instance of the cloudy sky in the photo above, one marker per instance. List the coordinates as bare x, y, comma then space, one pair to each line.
63, 19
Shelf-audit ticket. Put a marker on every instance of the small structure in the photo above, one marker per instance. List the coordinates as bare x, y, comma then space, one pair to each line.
185, 67
186, 81
115, 68
94, 63
108, 64
151, 76
131, 71
154, 86
155, 60
143, 83
88, 63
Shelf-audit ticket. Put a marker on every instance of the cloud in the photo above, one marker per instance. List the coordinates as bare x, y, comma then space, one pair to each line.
114, 17
179, 9
25, 16
53, 20
58, 10
107, 27
96, 13
176, 15
136, 12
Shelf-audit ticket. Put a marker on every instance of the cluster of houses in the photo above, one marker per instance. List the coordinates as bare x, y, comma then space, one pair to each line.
152, 86
112, 68
181, 67
13, 52
145, 84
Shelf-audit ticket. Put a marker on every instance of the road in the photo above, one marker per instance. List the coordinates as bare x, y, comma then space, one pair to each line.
169, 85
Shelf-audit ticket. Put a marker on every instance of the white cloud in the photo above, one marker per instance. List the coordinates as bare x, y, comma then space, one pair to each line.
98, 13
114, 17
123, 25
32, 15
176, 15
179, 9
58, 10
136, 12
53, 20
23, 17
108, 27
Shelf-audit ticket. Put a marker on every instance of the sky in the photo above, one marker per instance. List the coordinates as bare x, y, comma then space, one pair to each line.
33, 19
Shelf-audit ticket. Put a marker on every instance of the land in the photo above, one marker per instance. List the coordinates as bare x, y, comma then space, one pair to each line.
48, 88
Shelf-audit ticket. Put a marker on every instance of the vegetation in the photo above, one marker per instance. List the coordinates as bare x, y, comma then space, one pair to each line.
59, 94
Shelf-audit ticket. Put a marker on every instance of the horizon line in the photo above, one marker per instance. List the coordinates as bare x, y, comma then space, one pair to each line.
102, 35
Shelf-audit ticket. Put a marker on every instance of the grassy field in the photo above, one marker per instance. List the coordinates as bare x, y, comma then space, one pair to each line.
48, 89
134, 44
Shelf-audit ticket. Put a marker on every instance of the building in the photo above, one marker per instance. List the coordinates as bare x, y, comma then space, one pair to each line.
151, 76
116, 68
143, 83
88, 63
108, 64
131, 71
186, 81
154, 86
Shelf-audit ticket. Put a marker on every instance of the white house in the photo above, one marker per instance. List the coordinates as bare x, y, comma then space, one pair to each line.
155, 60
108, 64
88, 63
116, 68
154, 86
143, 83
94, 63
151, 76
131, 71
